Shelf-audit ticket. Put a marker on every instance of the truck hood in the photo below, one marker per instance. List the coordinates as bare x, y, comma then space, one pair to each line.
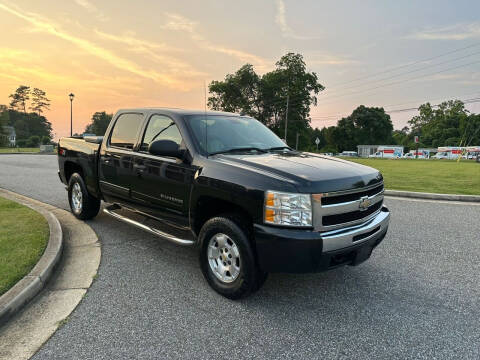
310, 173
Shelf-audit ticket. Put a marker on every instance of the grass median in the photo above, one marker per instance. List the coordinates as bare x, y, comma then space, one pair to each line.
7, 150
433, 176
23, 237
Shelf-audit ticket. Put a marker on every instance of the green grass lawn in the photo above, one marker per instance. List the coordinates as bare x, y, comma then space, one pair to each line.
23, 238
16, 150
435, 176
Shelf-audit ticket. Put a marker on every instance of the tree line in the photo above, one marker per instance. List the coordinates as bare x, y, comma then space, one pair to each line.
31, 128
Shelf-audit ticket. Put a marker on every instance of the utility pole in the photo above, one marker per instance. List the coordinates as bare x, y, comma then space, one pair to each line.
286, 118
71, 96
296, 142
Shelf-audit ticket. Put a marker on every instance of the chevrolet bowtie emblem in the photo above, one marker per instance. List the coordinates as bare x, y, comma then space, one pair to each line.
364, 203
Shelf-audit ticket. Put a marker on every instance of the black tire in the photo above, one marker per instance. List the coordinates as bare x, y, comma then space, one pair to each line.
249, 278
89, 205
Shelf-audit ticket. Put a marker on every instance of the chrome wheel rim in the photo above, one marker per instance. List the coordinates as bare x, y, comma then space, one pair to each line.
223, 258
77, 197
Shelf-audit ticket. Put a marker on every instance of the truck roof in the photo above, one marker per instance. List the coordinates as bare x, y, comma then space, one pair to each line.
178, 111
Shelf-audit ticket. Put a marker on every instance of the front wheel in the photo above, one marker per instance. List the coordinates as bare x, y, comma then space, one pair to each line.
227, 259
83, 205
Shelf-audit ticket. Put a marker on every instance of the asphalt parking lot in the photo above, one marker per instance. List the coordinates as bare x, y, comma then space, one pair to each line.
417, 297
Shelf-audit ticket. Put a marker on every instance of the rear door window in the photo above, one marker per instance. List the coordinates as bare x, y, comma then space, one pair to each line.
125, 130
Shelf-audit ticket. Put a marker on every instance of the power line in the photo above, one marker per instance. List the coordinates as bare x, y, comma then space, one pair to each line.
424, 101
400, 81
320, 119
408, 72
406, 65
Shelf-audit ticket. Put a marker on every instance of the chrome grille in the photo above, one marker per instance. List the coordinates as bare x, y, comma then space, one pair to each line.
346, 208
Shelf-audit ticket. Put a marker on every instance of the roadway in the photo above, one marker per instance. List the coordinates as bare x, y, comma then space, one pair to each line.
417, 297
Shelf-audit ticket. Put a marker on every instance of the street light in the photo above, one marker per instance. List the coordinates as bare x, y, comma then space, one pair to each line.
71, 96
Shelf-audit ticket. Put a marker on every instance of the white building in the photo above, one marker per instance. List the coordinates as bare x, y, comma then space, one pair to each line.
9, 132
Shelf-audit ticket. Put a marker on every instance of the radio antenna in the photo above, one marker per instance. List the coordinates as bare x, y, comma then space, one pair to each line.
205, 115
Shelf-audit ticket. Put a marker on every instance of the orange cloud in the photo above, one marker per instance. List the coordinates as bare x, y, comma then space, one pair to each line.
49, 27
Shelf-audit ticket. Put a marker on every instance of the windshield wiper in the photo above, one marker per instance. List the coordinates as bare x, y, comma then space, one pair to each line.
279, 148
239, 150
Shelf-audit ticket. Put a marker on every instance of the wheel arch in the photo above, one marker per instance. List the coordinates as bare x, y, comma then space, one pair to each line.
207, 207
70, 168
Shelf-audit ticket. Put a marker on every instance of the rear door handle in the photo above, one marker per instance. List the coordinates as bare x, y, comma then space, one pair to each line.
139, 169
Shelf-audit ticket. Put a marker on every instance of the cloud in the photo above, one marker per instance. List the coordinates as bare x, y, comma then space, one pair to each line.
178, 22
329, 59
154, 51
454, 32
281, 21
92, 9
46, 26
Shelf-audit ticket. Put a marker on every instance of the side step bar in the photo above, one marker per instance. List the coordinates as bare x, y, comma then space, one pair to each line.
110, 211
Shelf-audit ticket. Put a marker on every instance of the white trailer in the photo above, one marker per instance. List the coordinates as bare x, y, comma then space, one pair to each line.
449, 152
388, 152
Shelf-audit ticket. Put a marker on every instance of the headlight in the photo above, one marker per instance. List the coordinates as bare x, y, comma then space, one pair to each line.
288, 209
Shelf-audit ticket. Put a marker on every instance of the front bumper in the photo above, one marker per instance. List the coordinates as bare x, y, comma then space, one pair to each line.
300, 251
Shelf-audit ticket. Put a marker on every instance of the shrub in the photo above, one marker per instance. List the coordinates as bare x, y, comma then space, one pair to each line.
33, 141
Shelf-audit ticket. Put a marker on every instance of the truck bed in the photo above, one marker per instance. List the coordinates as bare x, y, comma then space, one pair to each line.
75, 155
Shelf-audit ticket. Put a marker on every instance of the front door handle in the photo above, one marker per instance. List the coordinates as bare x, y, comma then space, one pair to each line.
106, 158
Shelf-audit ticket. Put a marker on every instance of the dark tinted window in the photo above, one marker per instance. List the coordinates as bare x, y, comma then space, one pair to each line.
160, 127
125, 130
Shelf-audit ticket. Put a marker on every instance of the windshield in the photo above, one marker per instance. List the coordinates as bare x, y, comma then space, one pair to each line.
219, 134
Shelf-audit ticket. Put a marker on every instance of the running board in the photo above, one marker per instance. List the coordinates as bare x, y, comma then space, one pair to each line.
110, 211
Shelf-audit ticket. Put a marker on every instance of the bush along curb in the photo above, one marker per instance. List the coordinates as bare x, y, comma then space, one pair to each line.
24, 290
432, 196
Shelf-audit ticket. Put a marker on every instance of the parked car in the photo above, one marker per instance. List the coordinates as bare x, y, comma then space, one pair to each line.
348, 154
228, 185
441, 155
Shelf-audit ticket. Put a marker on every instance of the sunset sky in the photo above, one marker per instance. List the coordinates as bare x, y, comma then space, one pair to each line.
117, 54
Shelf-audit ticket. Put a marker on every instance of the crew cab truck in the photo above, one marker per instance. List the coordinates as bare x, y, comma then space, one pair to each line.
228, 185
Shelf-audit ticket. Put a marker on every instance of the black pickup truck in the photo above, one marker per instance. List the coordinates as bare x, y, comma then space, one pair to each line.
227, 184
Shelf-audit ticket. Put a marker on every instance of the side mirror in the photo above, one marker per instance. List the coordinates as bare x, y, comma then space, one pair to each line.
166, 148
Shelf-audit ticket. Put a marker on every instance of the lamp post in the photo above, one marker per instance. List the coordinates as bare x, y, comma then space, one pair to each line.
71, 96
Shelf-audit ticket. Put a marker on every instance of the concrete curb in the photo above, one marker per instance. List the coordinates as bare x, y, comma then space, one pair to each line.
23, 291
25, 333
432, 196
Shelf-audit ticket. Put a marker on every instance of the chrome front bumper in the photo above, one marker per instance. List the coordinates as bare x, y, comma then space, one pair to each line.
358, 234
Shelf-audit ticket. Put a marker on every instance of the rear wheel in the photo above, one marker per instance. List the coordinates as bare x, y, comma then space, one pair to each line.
83, 205
227, 259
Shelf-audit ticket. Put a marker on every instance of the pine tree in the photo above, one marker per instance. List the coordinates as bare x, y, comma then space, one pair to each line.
39, 101
20, 98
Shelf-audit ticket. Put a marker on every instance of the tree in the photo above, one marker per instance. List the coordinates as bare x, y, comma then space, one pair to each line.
27, 125
266, 97
99, 124
372, 125
401, 137
238, 93
20, 98
3, 124
366, 125
447, 124
33, 141
40, 102
45, 140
